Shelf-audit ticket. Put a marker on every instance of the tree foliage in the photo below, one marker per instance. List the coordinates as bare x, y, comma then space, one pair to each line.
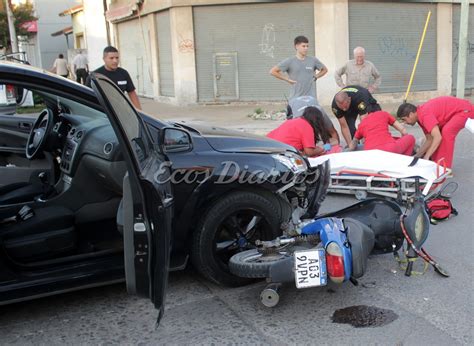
22, 13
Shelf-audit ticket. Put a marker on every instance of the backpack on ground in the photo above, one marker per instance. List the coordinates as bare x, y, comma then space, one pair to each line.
440, 209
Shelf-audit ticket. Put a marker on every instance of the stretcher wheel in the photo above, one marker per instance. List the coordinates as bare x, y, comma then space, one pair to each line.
360, 195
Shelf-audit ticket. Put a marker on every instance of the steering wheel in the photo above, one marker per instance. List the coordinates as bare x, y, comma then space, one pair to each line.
39, 133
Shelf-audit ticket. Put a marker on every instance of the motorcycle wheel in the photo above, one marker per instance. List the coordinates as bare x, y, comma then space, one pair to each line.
253, 264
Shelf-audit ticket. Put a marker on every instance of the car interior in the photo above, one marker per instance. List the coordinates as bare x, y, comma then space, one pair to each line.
61, 176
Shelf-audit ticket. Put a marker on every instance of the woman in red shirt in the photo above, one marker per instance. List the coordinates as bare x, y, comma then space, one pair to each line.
373, 128
303, 132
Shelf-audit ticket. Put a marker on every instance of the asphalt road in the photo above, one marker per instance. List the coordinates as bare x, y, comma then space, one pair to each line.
431, 310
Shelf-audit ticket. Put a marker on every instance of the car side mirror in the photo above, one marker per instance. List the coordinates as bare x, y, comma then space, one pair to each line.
176, 140
20, 95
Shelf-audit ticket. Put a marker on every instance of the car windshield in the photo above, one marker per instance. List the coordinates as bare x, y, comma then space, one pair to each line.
70, 106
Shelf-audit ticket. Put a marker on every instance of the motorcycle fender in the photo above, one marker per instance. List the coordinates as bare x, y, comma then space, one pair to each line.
282, 271
333, 230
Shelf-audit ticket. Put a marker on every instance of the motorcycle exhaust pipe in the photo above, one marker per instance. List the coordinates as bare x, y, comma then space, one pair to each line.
270, 296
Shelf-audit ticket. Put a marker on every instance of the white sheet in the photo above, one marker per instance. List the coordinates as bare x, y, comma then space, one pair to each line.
470, 125
382, 162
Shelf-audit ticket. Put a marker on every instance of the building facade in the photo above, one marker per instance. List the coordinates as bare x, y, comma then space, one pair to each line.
48, 22
220, 51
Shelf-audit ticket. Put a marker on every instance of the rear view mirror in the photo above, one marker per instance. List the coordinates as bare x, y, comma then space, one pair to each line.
7, 99
175, 140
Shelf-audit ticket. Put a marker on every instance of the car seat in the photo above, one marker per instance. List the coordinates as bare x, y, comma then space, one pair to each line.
48, 233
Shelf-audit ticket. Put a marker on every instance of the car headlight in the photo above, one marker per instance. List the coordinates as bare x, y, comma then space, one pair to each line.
293, 162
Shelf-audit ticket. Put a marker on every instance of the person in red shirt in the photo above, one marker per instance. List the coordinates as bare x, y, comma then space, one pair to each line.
441, 119
373, 128
303, 132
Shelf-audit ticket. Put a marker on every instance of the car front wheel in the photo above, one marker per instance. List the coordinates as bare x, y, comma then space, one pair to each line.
230, 226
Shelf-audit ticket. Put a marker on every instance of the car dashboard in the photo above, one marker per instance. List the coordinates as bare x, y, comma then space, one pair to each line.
91, 142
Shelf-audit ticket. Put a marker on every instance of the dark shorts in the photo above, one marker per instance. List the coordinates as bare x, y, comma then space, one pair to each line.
289, 112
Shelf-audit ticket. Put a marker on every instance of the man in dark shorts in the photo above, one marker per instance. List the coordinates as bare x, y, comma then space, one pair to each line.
118, 75
348, 104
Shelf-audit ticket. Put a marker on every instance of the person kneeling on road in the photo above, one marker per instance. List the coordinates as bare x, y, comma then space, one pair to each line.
303, 132
373, 128
348, 104
298, 105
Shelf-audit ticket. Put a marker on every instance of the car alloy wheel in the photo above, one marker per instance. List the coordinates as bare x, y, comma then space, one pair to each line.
232, 225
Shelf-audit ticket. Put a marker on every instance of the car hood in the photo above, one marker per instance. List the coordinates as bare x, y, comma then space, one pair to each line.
232, 141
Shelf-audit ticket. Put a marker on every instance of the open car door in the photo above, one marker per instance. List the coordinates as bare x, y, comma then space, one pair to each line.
147, 198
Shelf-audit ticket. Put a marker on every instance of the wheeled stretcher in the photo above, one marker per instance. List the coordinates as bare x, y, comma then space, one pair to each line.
382, 173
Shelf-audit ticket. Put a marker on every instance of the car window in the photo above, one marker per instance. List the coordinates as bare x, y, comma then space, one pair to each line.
128, 120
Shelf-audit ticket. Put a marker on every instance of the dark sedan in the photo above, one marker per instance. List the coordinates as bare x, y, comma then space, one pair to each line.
92, 192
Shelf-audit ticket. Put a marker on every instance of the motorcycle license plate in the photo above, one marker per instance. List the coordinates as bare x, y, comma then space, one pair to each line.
310, 268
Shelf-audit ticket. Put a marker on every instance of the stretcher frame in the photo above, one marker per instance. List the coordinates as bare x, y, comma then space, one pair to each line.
361, 184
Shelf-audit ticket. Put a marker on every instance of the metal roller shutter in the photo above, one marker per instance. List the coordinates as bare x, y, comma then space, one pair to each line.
165, 56
242, 43
390, 33
135, 54
469, 83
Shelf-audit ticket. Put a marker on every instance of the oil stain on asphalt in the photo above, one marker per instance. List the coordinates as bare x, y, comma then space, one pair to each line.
361, 316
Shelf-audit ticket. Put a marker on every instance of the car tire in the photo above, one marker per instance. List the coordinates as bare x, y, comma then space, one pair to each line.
220, 233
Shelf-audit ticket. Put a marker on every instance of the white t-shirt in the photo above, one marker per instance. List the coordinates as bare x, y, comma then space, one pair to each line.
61, 67
80, 61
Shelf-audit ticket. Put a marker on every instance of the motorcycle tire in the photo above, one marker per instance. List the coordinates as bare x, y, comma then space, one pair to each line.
249, 264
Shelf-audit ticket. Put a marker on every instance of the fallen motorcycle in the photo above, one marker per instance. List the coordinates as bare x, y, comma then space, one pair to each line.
336, 246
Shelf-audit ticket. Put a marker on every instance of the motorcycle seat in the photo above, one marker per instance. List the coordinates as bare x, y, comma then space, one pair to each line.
361, 239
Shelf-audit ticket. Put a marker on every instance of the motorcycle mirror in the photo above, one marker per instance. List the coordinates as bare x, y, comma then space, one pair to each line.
448, 190
417, 223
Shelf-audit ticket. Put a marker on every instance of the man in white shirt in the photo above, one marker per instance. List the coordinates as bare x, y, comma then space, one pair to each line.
80, 67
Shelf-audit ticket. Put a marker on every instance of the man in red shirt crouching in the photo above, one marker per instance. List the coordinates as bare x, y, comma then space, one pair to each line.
441, 119
373, 128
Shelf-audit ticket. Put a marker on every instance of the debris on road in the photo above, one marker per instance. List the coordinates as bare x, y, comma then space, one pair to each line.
260, 114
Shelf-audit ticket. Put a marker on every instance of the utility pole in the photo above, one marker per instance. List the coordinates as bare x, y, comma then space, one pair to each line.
11, 28
462, 52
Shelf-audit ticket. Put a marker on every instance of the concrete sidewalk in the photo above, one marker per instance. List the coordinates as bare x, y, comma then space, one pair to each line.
236, 115
232, 116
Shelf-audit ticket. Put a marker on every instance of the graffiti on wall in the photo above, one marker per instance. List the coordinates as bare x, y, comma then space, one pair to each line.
186, 46
396, 47
267, 46
470, 49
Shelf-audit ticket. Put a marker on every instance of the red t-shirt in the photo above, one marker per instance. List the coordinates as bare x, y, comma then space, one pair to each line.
374, 128
440, 110
295, 132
